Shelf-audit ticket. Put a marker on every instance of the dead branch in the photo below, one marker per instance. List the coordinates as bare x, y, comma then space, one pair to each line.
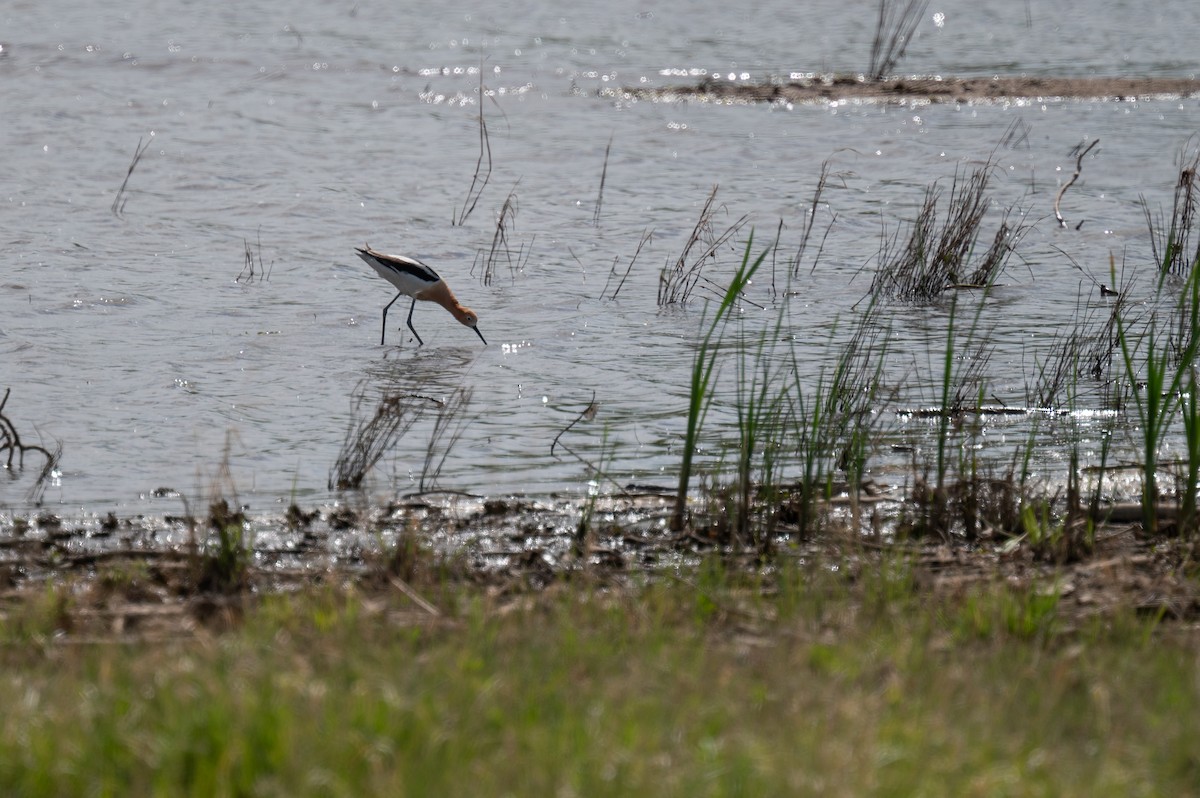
1078, 168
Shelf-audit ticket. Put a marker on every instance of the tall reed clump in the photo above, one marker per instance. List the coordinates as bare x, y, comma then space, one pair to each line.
1160, 368
221, 560
960, 383
762, 423
836, 421
1161, 372
703, 371
893, 31
940, 253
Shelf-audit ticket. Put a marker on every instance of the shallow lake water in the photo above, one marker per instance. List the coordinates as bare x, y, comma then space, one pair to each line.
300, 131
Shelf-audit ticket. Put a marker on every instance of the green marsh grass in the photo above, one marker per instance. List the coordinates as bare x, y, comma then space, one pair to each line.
837, 422
703, 371
1159, 374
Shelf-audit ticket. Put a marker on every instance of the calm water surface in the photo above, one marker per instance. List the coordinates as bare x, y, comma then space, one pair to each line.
308, 129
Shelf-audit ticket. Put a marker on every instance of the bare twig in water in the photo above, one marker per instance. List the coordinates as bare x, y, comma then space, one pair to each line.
893, 31
448, 427
11, 446
1078, 168
247, 273
483, 165
676, 283
118, 206
587, 414
603, 177
647, 236
369, 438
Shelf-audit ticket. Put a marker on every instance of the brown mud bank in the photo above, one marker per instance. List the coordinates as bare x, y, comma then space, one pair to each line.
835, 88
145, 578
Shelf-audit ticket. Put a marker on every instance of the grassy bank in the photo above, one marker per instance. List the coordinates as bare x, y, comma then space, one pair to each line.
832, 681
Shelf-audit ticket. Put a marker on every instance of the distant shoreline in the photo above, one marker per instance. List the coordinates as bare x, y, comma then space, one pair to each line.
834, 88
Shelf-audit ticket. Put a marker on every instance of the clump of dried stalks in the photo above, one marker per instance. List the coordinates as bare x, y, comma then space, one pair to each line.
1173, 249
938, 254
894, 28
505, 223
372, 435
677, 282
1086, 350
253, 259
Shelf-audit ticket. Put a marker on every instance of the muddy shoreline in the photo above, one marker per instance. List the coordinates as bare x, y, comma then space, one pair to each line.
839, 88
150, 578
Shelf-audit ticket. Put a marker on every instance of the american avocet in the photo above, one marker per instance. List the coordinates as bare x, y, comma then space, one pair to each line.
415, 279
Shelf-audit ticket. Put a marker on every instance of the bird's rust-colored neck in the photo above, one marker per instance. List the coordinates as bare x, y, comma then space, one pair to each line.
440, 293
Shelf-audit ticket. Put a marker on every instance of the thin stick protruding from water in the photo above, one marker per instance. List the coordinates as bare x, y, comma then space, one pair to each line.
647, 236
587, 414
603, 177
1078, 168
118, 205
811, 220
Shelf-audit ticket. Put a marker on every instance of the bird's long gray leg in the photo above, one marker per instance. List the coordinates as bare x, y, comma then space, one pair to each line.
383, 332
414, 329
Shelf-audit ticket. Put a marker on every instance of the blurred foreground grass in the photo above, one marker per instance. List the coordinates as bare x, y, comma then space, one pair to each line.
705, 682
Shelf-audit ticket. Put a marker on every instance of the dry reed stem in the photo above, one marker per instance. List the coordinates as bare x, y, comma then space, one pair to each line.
478, 182
248, 267
810, 220
118, 205
603, 178
11, 443
448, 428
647, 236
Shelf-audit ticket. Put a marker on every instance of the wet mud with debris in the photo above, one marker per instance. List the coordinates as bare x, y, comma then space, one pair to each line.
835, 88
148, 578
